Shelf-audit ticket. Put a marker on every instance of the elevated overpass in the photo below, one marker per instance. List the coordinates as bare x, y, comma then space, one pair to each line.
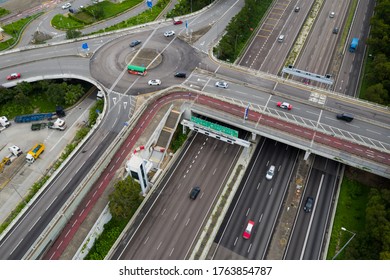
368, 154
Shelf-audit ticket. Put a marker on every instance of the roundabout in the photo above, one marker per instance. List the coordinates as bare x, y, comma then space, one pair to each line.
163, 58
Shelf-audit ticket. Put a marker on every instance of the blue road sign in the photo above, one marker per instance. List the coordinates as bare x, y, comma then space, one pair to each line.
149, 3
85, 46
186, 23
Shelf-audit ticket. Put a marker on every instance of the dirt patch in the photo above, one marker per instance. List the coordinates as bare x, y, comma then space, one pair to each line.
194, 36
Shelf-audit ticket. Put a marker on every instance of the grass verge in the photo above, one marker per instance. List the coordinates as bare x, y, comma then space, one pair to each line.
15, 29
350, 214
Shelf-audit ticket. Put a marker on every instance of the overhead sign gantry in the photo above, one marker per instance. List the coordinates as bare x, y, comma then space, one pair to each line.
214, 130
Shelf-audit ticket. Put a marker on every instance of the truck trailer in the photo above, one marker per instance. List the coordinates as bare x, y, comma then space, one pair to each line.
34, 153
33, 117
59, 113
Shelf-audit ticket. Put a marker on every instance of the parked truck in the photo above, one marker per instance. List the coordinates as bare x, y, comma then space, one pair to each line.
34, 153
15, 152
4, 123
38, 126
59, 124
354, 44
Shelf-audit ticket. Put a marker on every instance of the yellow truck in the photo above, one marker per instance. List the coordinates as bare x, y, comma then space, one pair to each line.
34, 153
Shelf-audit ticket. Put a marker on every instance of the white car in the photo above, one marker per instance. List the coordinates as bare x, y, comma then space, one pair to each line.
66, 6
154, 82
169, 33
270, 172
284, 105
221, 84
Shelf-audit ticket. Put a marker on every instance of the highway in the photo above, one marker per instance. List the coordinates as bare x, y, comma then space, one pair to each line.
259, 200
171, 222
265, 53
317, 56
351, 63
64, 59
310, 230
48, 200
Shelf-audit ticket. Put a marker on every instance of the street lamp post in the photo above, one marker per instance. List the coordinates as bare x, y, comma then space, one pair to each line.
353, 235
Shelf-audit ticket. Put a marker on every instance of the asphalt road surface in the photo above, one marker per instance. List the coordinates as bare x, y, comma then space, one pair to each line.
311, 229
258, 199
172, 221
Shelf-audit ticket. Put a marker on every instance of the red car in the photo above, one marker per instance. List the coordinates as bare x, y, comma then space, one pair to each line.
248, 230
13, 76
284, 105
176, 22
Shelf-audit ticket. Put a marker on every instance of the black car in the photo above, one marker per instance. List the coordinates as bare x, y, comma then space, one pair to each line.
194, 193
309, 204
180, 75
135, 43
345, 117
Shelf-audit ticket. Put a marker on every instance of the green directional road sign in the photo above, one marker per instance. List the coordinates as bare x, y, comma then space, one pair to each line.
215, 127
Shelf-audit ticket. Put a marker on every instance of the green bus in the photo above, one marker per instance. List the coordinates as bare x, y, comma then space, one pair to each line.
136, 70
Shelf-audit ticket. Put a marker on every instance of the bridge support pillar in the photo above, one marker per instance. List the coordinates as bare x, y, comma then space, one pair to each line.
184, 129
254, 136
307, 154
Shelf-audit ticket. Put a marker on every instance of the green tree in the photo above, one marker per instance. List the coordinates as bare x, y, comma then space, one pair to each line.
42, 85
23, 87
22, 100
125, 199
5, 95
70, 98
56, 93
71, 34
97, 12
376, 93
382, 70
240, 29
73, 94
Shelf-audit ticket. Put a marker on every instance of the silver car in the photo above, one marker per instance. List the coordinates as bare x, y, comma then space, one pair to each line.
221, 84
169, 33
66, 6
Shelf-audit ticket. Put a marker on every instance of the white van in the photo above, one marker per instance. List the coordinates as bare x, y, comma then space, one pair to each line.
280, 38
